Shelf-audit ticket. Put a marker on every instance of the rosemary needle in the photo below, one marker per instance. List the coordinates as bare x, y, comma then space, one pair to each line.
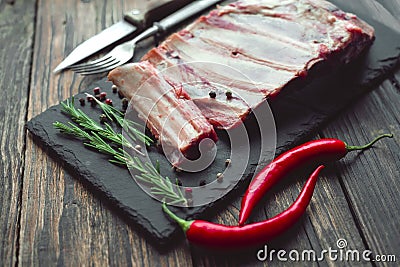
114, 114
96, 136
78, 116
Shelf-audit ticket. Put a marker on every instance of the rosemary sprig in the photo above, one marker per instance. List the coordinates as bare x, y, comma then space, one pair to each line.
78, 116
92, 140
96, 137
111, 112
114, 114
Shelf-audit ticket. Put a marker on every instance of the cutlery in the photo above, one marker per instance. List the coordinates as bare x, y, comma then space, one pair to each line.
145, 13
124, 52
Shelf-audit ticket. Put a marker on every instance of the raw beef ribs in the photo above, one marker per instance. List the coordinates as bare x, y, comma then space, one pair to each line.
264, 44
175, 121
270, 42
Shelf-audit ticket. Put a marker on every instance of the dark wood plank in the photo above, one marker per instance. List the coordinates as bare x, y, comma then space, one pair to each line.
370, 178
332, 214
16, 38
328, 219
62, 223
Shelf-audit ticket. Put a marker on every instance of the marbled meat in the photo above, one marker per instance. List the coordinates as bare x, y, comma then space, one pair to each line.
268, 42
175, 121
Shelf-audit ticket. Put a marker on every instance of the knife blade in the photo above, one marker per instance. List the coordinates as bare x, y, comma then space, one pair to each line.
144, 14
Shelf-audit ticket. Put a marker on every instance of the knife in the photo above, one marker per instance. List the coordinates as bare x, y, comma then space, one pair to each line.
145, 13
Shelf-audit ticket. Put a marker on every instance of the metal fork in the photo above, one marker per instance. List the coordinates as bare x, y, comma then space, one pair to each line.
124, 52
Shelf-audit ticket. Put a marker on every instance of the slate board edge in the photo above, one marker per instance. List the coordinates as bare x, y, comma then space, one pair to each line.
363, 89
87, 179
381, 74
83, 175
161, 240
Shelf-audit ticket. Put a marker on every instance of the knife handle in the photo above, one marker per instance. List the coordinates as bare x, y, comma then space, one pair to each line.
185, 13
147, 12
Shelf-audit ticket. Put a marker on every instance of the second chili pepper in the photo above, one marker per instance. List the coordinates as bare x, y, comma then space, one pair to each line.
317, 151
213, 235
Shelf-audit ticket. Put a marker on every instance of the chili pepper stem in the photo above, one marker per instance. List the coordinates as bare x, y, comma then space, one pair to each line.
185, 225
352, 148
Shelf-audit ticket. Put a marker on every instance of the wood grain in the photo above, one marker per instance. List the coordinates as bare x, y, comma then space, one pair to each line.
328, 218
16, 38
61, 222
331, 214
370, 178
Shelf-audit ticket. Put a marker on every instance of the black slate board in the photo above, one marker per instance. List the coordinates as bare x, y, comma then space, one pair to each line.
299, 112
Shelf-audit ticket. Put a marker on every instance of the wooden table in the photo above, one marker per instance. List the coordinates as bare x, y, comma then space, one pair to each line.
49, 218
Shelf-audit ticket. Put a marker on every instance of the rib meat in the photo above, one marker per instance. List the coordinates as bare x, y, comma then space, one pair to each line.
270, 42
227, 63
174, 120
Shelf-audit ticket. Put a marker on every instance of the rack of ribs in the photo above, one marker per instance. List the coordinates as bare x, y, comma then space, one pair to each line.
270, 42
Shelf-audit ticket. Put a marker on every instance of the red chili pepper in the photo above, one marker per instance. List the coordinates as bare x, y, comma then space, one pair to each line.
214, 235
317, 151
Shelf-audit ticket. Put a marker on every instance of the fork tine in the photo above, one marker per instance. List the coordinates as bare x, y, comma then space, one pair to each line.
100, 70
104, 69
98, 66
90, 63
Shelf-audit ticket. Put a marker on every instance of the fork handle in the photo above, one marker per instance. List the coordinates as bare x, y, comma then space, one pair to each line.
185, 13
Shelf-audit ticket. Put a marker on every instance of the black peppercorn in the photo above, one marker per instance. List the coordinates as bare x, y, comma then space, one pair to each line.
202, 183
212, 94
227, 162
82, 101
93, 103
125, 103
114, 89
103, 118
220, 177
228, 94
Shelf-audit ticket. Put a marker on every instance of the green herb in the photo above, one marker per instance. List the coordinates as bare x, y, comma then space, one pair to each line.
96, 137
95, 141
130, 126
